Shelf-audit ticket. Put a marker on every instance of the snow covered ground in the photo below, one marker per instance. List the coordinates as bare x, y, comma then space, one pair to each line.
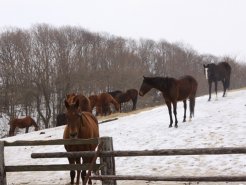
218, 123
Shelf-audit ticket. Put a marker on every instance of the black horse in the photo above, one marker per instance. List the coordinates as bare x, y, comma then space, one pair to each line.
123, 97
173, 90
115, 94
218, 72
130, 94
61, 119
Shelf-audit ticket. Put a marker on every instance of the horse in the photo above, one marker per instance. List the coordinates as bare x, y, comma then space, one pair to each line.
82, 125
173, 90
115, 94
214, 73
22, 123
84, 102
102, 103
130, 94
93, 101
61, 119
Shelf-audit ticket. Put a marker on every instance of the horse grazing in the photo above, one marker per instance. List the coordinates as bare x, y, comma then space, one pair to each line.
22, 123
130, 94
115, 94
84, 102
82, 125
61, 119
215, 73
102, 103
173, 90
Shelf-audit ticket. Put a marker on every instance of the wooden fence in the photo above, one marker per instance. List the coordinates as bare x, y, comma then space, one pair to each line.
105, 170
107, 163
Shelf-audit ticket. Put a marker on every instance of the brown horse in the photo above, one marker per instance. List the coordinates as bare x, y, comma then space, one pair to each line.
82, 125
93, 101
84, 102
173, 90
102, 103
130, 94
22, 123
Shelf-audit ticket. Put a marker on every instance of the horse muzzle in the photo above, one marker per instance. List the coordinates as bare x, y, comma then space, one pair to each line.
140, 93
73, 135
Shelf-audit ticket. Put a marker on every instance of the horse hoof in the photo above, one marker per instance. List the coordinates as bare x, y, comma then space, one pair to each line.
170, 126
176, 126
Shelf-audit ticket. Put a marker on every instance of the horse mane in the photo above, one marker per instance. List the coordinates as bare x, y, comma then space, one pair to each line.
162, 83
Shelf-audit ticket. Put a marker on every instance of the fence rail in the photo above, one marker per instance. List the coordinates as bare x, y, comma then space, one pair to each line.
107, 164
136, 153
58, 167
52, 142
173, 178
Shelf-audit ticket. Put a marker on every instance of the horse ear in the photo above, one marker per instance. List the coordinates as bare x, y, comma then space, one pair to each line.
144, 77
77, 104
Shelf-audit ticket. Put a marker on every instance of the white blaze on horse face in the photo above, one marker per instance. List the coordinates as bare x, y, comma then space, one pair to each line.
206, 73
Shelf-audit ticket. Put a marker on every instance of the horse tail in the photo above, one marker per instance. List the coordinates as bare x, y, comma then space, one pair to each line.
193, 98
192, 106
115, 103
227, 80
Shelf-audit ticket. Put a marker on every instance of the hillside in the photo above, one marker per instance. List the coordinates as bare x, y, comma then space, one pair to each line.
218, 123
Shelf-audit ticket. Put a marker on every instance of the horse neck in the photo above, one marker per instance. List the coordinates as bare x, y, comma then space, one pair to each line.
159, 83
12, 129
34, 124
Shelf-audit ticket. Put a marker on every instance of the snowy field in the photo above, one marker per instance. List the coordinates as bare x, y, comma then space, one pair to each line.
218, 123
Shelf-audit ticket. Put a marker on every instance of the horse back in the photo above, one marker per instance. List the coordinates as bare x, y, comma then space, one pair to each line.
187, 87
133, 93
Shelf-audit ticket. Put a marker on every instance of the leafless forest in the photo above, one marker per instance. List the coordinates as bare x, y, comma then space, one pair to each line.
40, 65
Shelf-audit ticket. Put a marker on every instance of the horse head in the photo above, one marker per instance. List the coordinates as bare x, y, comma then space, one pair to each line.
74, 118
145, 87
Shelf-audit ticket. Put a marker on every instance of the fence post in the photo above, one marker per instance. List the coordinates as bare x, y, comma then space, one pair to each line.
3, 180
109, 168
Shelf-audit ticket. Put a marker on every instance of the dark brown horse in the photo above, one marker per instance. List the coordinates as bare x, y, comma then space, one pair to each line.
173, 90
218, 72
61, 119
82, 125
130, 94
84, 102
22, 123
103, 102
115, 94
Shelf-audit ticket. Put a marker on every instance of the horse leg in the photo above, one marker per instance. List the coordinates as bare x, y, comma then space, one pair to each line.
134, 103
224, 87
215, 88
185, 107
78, 171
83, 173
170, 113
72, 172
175, 113
27, 128
12, 130
209, 90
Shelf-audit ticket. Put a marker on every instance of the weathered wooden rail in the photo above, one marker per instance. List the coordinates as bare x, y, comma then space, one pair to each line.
107, 163
58, 167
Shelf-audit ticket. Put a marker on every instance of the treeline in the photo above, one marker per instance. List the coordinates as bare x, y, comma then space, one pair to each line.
39, 66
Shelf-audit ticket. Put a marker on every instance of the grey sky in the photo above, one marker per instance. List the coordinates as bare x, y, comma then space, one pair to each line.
217, 27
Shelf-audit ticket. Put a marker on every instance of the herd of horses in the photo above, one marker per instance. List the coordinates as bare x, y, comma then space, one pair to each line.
80, 122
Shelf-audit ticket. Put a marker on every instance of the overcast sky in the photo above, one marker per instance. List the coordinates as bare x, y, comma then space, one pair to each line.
216, 27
